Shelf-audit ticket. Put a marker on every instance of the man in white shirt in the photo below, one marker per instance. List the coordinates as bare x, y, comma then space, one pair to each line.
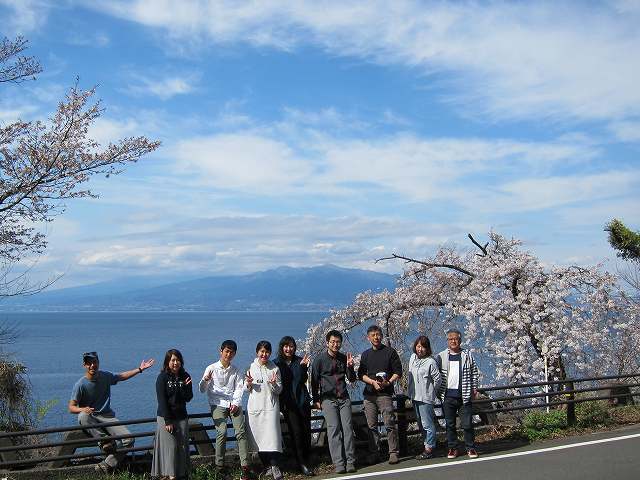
458, 388
224, 385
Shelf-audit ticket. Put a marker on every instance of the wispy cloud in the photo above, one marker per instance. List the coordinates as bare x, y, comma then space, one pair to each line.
21, 17
510, 60
164, 88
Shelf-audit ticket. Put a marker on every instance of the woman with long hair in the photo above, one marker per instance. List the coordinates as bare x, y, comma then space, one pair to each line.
171, 445
295, 401
263, 408
424, 383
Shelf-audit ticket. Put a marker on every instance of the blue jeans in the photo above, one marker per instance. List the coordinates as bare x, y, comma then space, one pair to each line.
427, 421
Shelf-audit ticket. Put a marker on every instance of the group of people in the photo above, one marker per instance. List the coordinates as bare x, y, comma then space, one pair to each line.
280, 386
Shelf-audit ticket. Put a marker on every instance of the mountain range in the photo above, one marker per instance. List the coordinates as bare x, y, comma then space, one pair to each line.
281, 289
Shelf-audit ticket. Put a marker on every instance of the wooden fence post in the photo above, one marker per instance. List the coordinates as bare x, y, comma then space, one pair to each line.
403, 424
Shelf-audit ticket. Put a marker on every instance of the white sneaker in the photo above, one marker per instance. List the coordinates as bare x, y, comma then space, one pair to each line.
277, 474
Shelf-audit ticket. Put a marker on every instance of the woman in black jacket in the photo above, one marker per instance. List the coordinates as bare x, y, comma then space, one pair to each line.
171, 446
295, 402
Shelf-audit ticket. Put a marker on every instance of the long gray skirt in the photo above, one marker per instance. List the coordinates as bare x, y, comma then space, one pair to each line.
171, 450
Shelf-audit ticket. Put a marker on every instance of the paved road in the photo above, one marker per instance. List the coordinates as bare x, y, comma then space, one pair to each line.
592, 457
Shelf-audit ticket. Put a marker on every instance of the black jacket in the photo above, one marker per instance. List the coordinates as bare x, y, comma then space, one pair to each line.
173, 394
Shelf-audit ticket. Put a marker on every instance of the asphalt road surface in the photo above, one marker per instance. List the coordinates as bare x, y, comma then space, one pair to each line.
614, 454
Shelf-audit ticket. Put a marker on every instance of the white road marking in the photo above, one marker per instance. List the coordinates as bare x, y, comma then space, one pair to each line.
457, 463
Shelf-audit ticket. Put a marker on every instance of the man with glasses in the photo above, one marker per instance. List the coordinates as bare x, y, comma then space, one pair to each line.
329, 392
458, 387
91, 401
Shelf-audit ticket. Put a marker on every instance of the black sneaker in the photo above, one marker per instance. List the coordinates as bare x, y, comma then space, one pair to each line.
425, 455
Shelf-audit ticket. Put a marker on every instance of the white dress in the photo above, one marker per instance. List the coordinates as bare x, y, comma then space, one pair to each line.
263, 407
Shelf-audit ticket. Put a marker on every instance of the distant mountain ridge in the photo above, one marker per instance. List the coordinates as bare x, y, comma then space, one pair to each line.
280, 289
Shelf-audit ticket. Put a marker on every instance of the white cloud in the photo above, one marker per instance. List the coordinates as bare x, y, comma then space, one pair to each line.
540, 193
230, 244
95, 39
248, 162
24, 16
163, 88
538, 59
626, 131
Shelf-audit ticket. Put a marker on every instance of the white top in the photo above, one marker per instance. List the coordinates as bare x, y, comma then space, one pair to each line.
453, 375
263, 408
226, 386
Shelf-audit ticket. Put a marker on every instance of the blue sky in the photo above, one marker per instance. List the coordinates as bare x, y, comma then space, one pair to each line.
303, 133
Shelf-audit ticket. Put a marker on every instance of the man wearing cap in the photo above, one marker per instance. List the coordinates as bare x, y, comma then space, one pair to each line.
91, 401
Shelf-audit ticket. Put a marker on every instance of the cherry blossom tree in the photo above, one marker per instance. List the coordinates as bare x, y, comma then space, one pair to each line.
43, 164
514, 310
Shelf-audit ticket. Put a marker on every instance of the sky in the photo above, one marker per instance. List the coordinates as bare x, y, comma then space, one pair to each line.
313, 132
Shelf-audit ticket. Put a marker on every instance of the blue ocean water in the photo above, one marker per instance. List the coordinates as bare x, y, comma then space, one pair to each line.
51, 346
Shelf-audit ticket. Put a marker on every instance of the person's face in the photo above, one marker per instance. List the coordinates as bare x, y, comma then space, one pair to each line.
421, 352
91, 365
263, 355
175, 364
375, 337
289, 350
226, 355
453, 341
334, 344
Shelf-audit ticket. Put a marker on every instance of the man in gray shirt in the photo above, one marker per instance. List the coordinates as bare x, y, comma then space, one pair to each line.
91, 401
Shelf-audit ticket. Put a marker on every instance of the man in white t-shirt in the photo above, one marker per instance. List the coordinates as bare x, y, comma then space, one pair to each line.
458, 388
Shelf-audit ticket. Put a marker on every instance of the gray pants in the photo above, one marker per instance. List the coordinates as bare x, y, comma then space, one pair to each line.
337, 416
86, 419
171, 450
384, 405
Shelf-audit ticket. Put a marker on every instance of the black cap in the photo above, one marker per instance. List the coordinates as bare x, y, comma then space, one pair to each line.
89, 356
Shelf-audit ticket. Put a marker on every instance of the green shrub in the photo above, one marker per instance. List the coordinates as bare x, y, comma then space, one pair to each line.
540, 425
592, 414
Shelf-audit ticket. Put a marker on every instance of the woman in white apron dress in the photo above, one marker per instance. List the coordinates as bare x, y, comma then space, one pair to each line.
263, 408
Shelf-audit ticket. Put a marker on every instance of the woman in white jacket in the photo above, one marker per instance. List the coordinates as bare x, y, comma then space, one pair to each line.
424, 383
263, 408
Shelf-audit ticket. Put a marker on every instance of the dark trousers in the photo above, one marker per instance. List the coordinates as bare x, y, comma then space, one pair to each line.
269, 459
299, 425
451, 406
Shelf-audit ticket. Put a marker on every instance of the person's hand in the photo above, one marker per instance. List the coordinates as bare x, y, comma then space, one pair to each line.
233, 409
207, 376
273, 378
305, 360
377, 385
249, 380
317, 406
187, 381
146, 364
88, 410
474, 393
349, 360
169, 427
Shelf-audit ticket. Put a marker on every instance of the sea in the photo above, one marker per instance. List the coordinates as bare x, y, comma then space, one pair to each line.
50, 345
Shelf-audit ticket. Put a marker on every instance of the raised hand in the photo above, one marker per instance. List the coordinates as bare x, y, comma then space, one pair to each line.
305, 360
146, 364
187, 381
272, 378
248, 380
349, 360
208, 376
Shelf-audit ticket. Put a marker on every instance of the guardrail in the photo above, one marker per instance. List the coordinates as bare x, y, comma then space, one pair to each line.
13, 448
